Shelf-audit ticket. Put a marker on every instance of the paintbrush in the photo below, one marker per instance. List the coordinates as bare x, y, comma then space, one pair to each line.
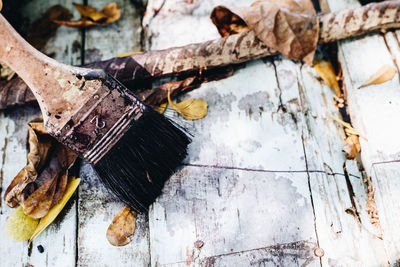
133, 148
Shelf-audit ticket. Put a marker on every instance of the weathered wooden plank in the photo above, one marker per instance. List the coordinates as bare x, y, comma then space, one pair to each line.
231, 194
119, 37
386, 182
96, 210
13, 157
59, 239
373, 112
344, 230
97, 207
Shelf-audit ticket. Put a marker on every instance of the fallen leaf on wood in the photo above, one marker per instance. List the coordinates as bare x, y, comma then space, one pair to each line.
91, 17
127, 54
6, 72
122, 227
289, 26
161, 108
191, 109
20, 227
42, 182
384, 74
54, 211
349, 130
352, 146
227, 23
90, 12
325, 70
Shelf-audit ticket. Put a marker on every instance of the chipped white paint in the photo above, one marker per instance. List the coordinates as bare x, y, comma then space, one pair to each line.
59, 239
374, 112
231, 195
266, 147
97, 207
346, 239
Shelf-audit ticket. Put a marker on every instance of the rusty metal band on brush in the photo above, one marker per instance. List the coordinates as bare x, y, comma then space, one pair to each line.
99, 125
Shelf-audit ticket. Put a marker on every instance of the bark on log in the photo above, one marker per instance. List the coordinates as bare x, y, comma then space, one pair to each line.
229, 50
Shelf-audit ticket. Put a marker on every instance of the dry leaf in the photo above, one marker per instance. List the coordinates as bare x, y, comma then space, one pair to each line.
54, 211
161, 108
289, 26
91, 17
6, 72
20, 227
90, 12
127, 54
191, 109
122, 227
325, 70
42, 182
384, 74
228, 23
352, 146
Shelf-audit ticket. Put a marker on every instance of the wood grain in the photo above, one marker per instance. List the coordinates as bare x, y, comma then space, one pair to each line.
97, 207
372, 110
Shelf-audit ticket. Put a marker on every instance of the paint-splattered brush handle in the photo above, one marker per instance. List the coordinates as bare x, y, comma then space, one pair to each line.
59, 89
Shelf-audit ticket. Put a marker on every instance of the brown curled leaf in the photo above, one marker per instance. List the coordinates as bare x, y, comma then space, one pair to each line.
289, 26
325, 70
71, 187
352, 146
122, 227
91, 17
42, 182
384, 74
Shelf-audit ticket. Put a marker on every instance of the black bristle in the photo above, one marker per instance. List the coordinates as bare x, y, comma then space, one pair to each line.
136, 168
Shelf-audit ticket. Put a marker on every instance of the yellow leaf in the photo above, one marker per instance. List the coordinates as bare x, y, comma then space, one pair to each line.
20, 227
129, 54
384, 74
348, 128
122, 227
54, 211
192, 109
90, 12
161, 108
326, 72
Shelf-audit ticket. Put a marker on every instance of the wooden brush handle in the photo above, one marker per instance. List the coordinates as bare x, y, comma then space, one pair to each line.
60, 90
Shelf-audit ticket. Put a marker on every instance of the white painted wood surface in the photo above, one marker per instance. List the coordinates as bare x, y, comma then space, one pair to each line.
264, 183
59, 239
97, 207
374, 112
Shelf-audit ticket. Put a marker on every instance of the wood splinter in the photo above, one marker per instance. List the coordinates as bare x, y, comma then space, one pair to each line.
229, 50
